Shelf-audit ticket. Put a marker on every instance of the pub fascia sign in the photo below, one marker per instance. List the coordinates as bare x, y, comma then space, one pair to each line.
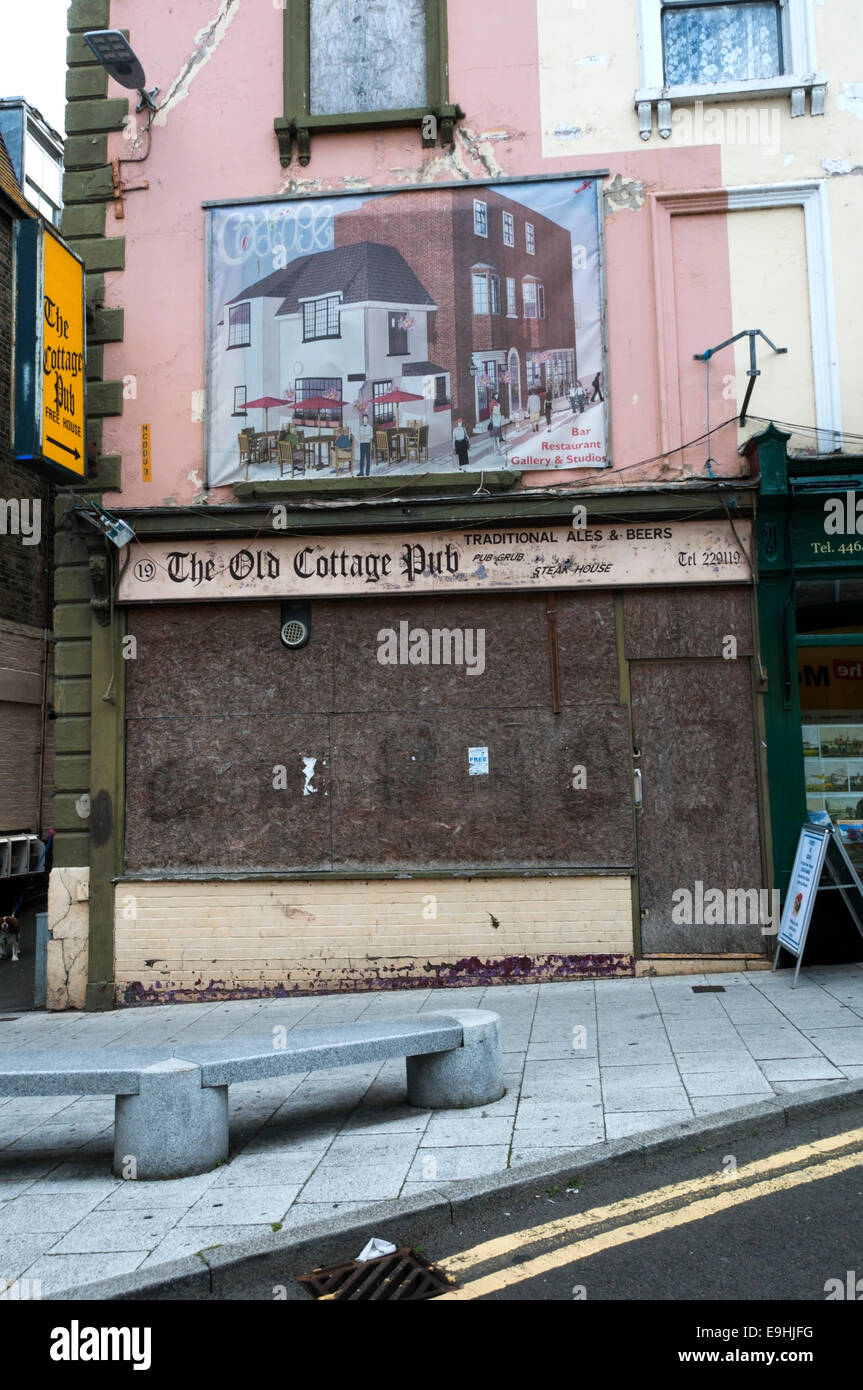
50, 354
512, 557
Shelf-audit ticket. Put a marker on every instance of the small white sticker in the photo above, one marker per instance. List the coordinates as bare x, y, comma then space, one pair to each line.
477, 762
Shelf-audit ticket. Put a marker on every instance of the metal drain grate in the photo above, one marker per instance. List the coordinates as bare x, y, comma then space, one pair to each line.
405, 1275
708, 989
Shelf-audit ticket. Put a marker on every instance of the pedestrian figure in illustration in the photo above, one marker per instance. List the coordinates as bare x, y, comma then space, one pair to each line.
533, 410
365, 434
572, 399
461, 443
580, 398
597, 388
548, 408
496, 426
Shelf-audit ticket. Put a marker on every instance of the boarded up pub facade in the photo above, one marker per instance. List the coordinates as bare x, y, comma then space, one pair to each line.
431, 659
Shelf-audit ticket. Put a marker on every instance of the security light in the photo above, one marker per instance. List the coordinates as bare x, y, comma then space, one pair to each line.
117, 531
119, 60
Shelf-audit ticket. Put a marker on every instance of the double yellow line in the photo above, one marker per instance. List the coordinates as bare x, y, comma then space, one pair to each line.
807, 1163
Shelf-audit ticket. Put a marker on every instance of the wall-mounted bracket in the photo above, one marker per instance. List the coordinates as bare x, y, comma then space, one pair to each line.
753, 370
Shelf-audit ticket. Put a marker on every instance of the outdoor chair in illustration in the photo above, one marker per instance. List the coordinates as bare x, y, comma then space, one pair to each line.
343, 452
246, 453
424, 441
412, 445
382, 446
290, 451
258, 445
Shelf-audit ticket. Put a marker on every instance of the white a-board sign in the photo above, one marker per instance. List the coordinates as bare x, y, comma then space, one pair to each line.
820, 853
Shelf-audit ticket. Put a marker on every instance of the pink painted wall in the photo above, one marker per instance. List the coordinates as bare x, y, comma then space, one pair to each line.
214, 139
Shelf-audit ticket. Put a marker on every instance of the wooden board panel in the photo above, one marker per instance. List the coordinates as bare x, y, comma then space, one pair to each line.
201, 794
215, 703
686, 622
692, 721
403, 794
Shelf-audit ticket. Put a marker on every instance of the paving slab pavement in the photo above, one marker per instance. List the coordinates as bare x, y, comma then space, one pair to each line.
587, 1063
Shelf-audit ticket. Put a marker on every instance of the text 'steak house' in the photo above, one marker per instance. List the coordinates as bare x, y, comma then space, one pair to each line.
374, 700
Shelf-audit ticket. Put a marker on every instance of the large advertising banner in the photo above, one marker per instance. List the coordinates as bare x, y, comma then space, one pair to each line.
418, 331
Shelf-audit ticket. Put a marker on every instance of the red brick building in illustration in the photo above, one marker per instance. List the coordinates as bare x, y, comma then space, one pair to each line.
501, 277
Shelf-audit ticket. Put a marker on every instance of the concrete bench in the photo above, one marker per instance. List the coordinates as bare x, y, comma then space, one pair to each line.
171, 1108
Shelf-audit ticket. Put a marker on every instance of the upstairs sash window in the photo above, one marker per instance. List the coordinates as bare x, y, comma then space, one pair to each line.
704, 44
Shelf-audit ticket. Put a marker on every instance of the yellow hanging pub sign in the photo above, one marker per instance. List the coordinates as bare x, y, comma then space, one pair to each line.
50, 354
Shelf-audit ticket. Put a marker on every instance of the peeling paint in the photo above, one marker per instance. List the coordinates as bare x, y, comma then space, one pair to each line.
207, 40
568, 132
470, 972
593, 60
851, 99
470, 148
840, 166
621, 194
309, 765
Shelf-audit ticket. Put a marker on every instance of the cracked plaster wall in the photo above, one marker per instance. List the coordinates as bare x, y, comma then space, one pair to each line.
68, 920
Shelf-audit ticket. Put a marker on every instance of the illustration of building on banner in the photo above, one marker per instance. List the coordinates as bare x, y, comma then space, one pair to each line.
407, 313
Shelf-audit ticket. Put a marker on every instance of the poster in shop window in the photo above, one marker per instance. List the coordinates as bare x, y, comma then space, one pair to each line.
428, 330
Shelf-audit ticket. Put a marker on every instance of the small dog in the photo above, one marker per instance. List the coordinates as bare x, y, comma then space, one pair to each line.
9, 937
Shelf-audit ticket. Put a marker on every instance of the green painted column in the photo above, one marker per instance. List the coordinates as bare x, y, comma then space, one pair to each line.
785, 772
106, 787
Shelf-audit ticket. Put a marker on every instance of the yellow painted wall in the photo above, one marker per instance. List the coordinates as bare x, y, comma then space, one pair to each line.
210, 939
770, 291
589, 56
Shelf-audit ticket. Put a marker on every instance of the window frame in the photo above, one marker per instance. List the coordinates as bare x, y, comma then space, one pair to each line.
800, 75
530, 300
508, 224
511, 297
319, 384
312, 304
530, 238
782, 14
393, 328
247, 323
482, 276
388, 406
299, 124
480, 223
240, 406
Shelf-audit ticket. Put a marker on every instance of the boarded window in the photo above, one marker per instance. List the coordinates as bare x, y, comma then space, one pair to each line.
367, 55
376, 767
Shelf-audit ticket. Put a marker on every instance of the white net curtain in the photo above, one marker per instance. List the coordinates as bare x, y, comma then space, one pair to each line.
707, 43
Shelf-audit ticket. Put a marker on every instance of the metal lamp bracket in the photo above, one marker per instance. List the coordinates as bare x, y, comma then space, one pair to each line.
753, 370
